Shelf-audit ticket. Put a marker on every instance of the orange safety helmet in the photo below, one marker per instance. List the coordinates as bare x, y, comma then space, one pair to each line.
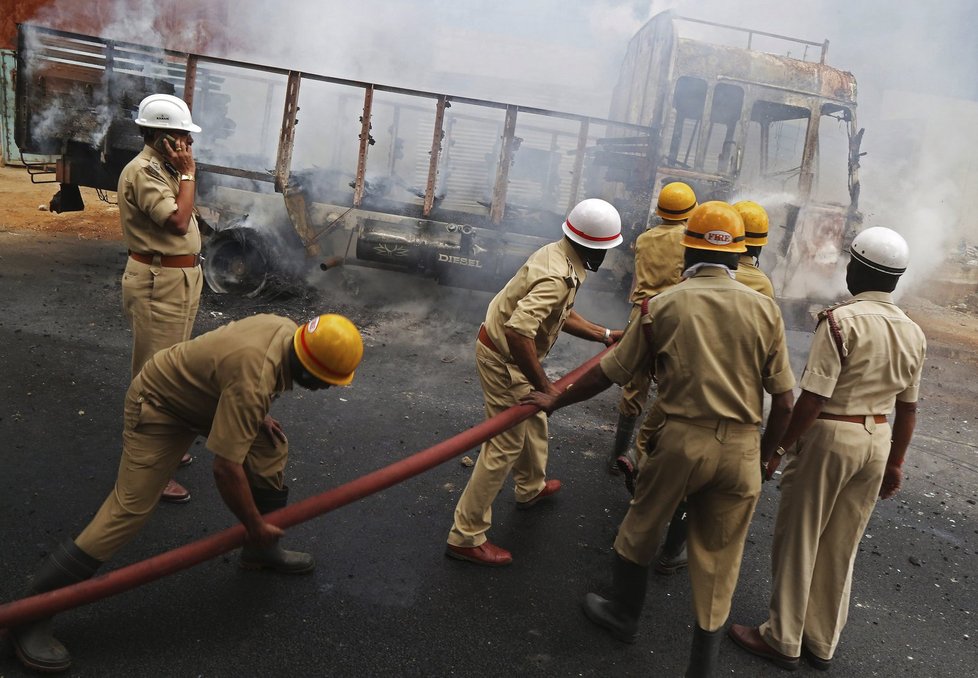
716, 226
755, 222
676, 201
330, 347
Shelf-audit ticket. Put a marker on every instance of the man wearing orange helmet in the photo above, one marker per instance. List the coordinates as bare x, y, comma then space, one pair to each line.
522, 323
658, 266
219, 385
714, 346
673, 556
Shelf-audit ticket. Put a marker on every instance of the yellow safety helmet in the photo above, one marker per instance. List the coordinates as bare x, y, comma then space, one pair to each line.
717, 226
330, 347
676, 201
755, 222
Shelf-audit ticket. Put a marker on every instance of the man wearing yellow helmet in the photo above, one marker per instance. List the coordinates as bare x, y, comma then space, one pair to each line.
755, 237
219, 385
658, 266
714, 346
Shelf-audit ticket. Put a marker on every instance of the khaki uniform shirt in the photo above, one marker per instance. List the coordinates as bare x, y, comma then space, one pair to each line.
221, 383
536, 301
883, 352
147, 197
659, 256
749, 274
715, 345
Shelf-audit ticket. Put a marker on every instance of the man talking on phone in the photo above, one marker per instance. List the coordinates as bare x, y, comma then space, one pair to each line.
162, 281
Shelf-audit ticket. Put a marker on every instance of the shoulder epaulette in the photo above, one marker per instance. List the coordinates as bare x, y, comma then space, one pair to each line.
834, 329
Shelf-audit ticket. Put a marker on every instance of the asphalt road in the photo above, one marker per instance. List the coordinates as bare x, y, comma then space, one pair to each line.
384, 600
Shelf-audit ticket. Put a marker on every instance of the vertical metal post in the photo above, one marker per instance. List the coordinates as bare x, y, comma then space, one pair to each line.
283, 162
806, 177
498, 207
368, 101
436, 137
576, 178
825, 50
190, 81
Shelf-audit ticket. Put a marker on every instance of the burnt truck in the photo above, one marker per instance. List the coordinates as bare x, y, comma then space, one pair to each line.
448, 187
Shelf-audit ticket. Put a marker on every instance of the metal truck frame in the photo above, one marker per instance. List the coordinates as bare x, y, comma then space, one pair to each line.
448, 187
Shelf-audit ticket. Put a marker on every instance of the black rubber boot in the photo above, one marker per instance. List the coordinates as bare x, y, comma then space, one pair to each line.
703, 653
34, 643
274, 557
620, 611
673, 558
623, 440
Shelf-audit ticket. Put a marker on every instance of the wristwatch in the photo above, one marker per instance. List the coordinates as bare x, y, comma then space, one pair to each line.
186, 177
607, 335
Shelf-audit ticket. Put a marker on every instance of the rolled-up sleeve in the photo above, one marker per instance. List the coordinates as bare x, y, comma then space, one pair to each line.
631, 355
824, 364
911, 393
154, 196
538, 303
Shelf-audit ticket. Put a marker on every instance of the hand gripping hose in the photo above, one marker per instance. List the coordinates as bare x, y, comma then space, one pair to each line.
47, 604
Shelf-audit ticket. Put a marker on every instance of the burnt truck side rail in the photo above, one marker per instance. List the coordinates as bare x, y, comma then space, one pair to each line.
105, 80
460, 176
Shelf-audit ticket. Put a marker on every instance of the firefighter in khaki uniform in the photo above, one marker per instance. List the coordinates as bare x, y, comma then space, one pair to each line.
755, 238
219, 385
522, 324
162, 281
715, 345
658, 266
673, 556
865, 361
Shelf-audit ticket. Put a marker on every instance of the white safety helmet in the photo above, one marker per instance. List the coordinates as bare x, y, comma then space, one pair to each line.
594, 223
165, 111
881, 249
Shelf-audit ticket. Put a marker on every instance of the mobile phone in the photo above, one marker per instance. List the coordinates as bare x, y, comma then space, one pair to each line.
167, 137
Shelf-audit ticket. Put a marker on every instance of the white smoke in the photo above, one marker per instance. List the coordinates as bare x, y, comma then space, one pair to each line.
566, 53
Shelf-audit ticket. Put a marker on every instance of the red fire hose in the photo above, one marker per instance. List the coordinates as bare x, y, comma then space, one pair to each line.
46, 604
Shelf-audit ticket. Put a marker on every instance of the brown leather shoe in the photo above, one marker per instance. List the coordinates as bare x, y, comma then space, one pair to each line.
175, 493
484, 554
551, 487
749, 638
186, 460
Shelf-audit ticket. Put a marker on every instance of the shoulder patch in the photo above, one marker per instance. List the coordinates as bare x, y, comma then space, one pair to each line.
154, 170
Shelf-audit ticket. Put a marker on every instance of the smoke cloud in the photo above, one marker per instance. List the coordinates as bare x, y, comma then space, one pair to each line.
914, 64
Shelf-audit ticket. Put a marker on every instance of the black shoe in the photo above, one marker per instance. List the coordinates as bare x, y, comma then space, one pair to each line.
814, 660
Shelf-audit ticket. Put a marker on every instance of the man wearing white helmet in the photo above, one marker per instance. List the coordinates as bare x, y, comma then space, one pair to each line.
162, 281
522, 324
865, 362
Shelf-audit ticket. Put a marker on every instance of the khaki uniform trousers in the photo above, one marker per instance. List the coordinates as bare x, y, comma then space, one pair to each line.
828, 493
648, 431
715, 465
522, 449
635, 393
161, 305
153, 443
